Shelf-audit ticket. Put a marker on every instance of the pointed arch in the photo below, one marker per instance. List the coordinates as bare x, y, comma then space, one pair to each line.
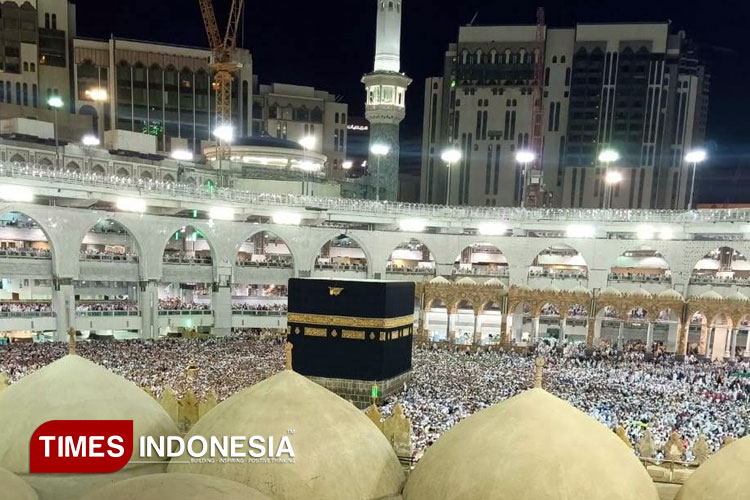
721, 266
559, 262
264, 248
110, 240
188, 245
14, 225
481, 259
411, 257
642, 265
343, 252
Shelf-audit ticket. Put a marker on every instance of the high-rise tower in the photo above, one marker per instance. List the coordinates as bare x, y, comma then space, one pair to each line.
386, 100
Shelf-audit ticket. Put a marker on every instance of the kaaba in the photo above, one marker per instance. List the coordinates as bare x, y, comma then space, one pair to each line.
349, 330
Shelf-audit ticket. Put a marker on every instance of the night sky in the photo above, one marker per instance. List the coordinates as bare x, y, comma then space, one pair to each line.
330, 45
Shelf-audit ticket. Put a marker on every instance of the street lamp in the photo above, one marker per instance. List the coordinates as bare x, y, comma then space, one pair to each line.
695, 157
611, 179
379, 150
449, 156
307, 143
96, 94
524, 157
347, 165
55, 102
606, 157
90, 140
225, 134
181, 155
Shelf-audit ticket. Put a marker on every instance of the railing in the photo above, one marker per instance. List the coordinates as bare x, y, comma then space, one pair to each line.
364, 207
713, 280
644, 278
344, 268
272, 265
107, 313
410, 270
25, 254
187, 260
246, 312
185, 312
110, 257
559, 275
27, 314
474, 271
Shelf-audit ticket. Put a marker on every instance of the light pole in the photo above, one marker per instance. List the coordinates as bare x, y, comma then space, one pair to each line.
524, 157
181, 155
607, 156
225, 134
695, 157
55, 102
90, 141
379, 150
449, 156
611, 179
307, 143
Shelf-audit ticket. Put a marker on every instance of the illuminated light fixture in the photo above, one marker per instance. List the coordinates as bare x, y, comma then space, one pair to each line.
308, 142
90, 140
347, 165
525, 157
644, 232
609, 156
492, 228
16, 193
55, 102
451, 156
412, 225
696, 156
380, 149
221, 213
182, 155
580, 231
131, 205
97, 94
287, 218
224, 133
309, 166
613, 177
666, 234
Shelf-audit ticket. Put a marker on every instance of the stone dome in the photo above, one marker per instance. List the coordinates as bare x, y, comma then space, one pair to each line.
551, 289
640, 292
14, 487
581, 289
339, 453
494, 282
532, 446
671, 293
466, 281
175, 487
711, 295
73, 388
610, 291
722, 477
440, 280
740, 297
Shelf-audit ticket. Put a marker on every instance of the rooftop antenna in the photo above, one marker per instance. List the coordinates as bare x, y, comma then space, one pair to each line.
473, 18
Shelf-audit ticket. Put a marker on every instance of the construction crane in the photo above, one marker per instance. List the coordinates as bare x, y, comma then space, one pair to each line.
223, 66
534, 194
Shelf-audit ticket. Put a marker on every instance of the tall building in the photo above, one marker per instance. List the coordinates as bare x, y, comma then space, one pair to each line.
634, 88
385, 106
293, 111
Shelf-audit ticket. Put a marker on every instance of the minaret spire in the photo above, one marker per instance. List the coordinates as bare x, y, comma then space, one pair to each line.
385, 105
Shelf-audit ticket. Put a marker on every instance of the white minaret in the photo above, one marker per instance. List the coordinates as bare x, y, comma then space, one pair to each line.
385, 106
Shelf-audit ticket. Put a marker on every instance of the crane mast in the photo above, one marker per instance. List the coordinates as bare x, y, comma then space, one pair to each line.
224, 64
534, 193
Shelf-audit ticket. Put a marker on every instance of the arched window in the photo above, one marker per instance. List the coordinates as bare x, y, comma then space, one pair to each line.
562, 59
465, 57
554, 59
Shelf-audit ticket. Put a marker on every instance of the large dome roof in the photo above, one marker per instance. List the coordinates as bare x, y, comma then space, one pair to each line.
73, 388
339, 453
175, 487
722, 477
533, 446
13, 487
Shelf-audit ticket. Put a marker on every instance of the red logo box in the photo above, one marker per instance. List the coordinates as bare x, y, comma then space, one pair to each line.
81, 446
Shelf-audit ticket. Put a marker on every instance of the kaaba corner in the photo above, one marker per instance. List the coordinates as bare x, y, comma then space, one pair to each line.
349, 334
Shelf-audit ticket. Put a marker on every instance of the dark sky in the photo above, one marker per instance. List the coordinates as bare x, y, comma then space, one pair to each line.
330, 44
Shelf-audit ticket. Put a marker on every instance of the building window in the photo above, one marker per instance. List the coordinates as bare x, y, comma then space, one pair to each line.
336, 118
54, 21
25, 94
46, 21
18, 93
34, 95
25, 66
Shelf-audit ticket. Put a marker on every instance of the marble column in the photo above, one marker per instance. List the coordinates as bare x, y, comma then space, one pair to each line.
148, 307
621, 336
221, 304
64, 306
563, 322
650, 337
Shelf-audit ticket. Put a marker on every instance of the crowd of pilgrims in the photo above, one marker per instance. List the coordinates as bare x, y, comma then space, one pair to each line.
447, 385
25, 307
116, 305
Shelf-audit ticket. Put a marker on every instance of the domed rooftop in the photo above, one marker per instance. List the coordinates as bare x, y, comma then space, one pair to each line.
14, 487
640, 292
175, 487
610, 291
711, 295
494, 282
722, 477
338, 452
73, 388
466, 281
439, 280
740, 297
581, 289
266, 141
671, 294
551, 289
533, 446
